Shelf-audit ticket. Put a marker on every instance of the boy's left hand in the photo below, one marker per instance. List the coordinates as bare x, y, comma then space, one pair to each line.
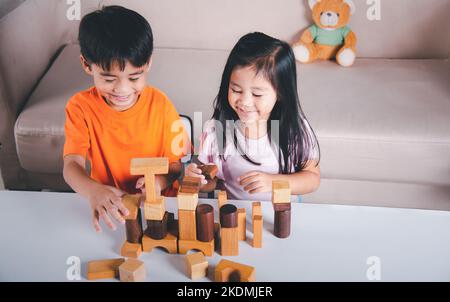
256, 182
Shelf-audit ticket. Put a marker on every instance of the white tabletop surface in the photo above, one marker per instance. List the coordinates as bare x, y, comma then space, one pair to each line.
40, 231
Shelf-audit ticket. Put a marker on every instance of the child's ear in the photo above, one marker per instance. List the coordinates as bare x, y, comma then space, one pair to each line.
85, 65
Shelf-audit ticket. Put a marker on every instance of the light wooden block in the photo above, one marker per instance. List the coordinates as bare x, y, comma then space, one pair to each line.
187, 201
257, 231
221, 198
256, 209
132, 203
132, 270
242, 224
104, 269
154, 210
226, 268
196, 266
151, 165
207, 248
281, 192
229, 242
169, 243
187, 228
131, 250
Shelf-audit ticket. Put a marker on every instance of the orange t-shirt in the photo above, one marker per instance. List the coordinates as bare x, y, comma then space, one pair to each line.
110, 138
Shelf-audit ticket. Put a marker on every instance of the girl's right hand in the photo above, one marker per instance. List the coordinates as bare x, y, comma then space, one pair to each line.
193, 170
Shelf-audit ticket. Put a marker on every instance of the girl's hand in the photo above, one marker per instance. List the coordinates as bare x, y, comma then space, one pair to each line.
193, 170
140, 184
106, 201
256, 182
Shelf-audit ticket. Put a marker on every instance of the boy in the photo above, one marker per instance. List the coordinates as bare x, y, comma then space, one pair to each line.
120, 118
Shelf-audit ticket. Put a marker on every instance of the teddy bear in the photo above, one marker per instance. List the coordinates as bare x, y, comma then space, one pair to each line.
329, 37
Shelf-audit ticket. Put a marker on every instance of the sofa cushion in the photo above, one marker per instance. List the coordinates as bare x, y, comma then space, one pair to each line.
381, 120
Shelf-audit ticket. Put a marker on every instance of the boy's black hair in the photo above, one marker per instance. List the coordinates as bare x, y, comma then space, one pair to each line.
115, 34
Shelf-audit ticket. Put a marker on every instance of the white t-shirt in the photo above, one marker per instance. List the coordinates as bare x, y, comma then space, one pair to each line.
232, 165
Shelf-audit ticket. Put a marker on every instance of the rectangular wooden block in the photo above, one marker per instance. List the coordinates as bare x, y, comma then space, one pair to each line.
207, 248
196, 266
281, 192
242, 223
229, 242
209, 171
187, 201
153, 165
104, 269
257, 231
221, 198
131, 250
155, 209
256, 208
187, 225
132, 270
190, 181
132, 203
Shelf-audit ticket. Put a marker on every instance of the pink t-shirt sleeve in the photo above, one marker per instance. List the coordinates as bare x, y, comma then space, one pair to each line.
209, 150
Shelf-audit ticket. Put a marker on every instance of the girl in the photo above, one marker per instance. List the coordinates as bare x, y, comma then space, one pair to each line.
259, 132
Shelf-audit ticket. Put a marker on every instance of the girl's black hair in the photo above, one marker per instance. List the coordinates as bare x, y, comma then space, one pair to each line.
275, 59
115, 34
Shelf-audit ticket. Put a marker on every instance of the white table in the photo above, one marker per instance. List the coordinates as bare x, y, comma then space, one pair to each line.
39, 231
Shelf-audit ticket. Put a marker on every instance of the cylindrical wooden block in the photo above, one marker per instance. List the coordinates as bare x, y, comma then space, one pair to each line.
134, 229
157, 229
205, 222
282, 224
228, 216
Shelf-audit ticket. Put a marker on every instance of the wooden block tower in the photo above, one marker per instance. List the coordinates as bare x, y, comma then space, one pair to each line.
281, 200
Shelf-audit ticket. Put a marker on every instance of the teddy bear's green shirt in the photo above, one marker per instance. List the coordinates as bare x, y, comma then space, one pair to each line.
329, 37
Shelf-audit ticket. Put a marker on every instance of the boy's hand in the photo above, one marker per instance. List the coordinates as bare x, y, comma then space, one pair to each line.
140, 184
256, 182
106, 201
193, 170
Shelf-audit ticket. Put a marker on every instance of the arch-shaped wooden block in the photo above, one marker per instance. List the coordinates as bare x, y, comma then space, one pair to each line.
207, 248
169, 243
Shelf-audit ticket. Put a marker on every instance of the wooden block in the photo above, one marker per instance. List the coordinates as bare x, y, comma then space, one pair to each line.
131, 250
256, 208
196, 266
217, 236
132, 270
281, 193
188, 190
207, 248
205, 222
221, 198
191, 182
257, 231
132, 203
187, 201
209, 171
133, 228
282, 206
169, 243
104, 269
229, 241
157, 229
228, 216
153, 165
187, 225
226, 269
282, 224
242, 224
155, 209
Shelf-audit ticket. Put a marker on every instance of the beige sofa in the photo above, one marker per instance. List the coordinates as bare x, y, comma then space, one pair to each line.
383, 124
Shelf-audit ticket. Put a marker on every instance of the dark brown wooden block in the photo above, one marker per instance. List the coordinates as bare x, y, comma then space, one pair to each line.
134, 228
157, 229
209, 171
205, 222
281, 207
190, 181
228, 216
282, 224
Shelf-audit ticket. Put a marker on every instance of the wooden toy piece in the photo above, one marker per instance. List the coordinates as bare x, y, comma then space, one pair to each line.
131, 250
187, 225
104, 269
222, 198
281, 206
196, 266
187, 201
149, 167
228, 216
169, 243
257, 221
281, 193
226, 268
217, 236
134, 228
207, 248
205, 222
155, 209
132, 270
172, 224
282, 224
132, 203
256, 208
209, 171
157, 229
229, 241
190, 184
242, 223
